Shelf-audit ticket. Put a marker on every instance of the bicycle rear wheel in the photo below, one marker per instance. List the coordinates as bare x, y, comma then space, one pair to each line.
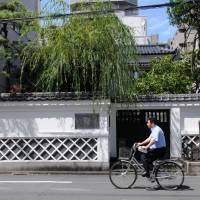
169, 175
123, 174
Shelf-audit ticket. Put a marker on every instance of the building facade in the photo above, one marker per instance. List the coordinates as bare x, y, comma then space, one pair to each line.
183, 41
146, 53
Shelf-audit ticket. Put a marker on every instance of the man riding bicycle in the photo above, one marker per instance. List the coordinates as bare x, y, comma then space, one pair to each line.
155, 145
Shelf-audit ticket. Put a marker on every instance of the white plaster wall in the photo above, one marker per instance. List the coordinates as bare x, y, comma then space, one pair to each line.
54, 119
190, 118
47, 119
36, 123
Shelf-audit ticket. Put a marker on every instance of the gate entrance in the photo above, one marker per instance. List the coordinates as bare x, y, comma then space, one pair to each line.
131, 127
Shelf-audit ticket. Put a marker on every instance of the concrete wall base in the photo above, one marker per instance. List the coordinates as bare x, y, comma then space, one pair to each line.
53, 166
192, 168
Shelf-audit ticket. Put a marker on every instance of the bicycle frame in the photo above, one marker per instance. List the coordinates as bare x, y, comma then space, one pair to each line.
133, 160
137, 164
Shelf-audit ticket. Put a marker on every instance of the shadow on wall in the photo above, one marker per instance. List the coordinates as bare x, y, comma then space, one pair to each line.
17, 127
28, 124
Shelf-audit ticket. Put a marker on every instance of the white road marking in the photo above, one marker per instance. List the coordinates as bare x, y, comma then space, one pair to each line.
60, 182
93, 182
72, 189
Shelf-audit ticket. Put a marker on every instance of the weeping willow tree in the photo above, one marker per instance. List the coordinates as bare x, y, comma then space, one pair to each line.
80, 53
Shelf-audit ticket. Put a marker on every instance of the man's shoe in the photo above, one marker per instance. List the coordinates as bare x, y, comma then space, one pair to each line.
145, 174
152, 180
154, 188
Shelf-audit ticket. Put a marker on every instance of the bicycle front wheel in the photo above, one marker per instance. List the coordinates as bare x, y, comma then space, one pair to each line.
169, 175
123, 174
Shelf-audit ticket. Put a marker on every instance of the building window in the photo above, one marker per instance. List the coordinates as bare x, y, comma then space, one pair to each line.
86, 121
182, 45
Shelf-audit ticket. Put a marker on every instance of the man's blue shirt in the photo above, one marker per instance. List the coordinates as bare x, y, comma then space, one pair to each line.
158, 135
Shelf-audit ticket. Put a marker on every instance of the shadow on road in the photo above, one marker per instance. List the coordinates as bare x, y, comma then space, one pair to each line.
185, 187
182, 188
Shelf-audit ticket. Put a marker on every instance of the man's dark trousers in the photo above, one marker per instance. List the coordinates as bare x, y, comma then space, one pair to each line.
150, 156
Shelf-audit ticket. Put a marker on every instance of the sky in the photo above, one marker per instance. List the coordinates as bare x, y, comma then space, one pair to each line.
157, 20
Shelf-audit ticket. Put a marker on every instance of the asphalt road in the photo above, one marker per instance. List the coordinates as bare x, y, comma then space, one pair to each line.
87, 187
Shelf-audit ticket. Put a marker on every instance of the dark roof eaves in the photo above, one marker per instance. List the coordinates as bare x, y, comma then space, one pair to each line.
169, 98
20, 97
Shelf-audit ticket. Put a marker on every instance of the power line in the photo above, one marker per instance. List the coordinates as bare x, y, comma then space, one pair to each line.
55, 16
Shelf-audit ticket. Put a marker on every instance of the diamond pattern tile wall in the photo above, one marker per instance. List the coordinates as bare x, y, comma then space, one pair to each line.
48, 149
191, 147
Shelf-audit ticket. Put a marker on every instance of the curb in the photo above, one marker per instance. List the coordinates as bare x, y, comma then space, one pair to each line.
18, 173
55, 173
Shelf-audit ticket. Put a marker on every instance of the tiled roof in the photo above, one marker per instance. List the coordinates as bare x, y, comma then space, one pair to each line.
46, 96
153, 49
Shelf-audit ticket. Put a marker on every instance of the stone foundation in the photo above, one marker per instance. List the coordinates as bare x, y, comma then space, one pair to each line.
192, 168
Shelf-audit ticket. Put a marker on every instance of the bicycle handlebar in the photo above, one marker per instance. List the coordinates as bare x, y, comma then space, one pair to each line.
135, 146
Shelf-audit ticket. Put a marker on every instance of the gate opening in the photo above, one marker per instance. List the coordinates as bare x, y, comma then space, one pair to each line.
131, 127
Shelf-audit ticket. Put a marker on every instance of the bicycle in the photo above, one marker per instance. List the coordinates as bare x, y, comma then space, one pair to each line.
168, 174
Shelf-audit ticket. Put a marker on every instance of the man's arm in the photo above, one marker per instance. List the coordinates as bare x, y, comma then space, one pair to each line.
144, 142
151, 142
153, 139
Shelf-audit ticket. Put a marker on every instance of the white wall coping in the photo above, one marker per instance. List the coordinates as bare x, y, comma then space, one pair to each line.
190, 132
56, 103
76, 134
157, 105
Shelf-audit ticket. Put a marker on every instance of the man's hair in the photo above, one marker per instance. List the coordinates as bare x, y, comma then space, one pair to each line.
152, 120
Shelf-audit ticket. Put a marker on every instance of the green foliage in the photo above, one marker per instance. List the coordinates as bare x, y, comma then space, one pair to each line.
166, 77
13, 9
188, 15
83, 53
11, 50
185, 13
